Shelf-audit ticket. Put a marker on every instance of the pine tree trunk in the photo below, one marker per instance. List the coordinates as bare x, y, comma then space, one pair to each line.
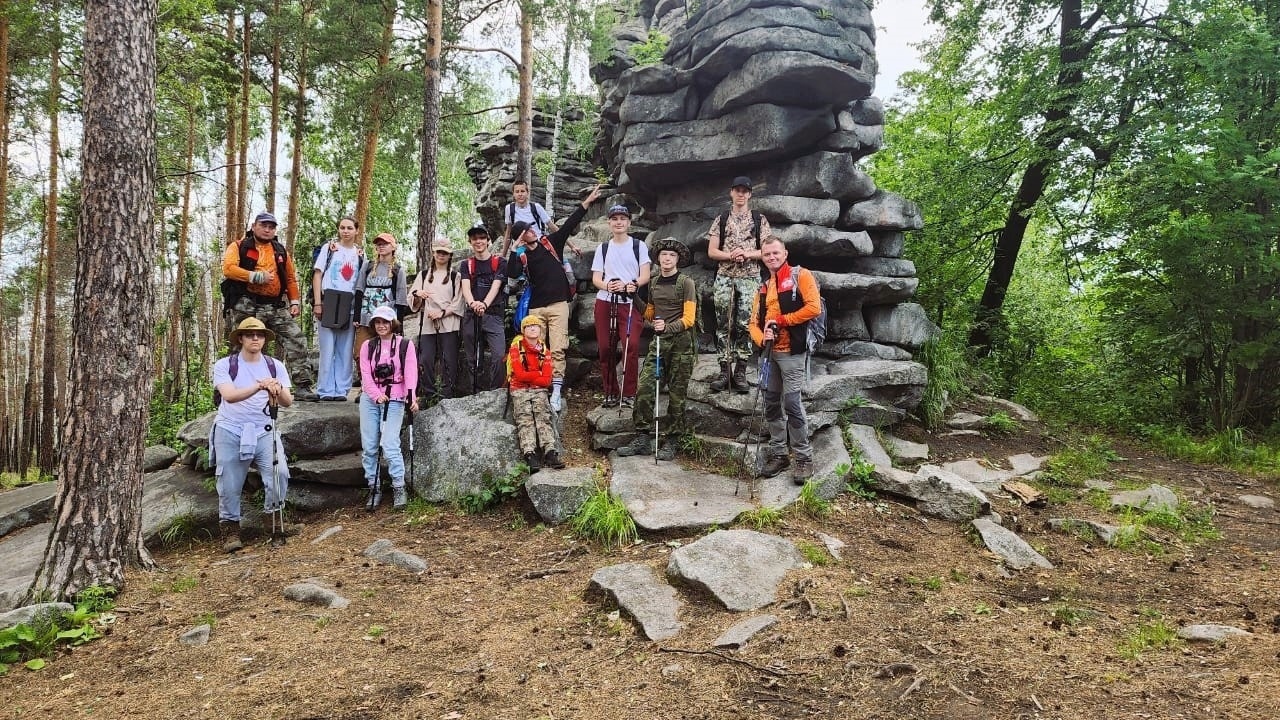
561, 102
524, 127
97, 529
429, 176
242, 175
233, 229
275, 110
46, 459
6, 426
299, 132
373, 124
177, 335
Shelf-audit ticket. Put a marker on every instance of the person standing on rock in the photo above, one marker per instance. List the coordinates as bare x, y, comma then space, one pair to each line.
734, 242
541, 266
333, 284
529, 374
673, 311
437, 296
529, 213
785, 304
484, 293
618, 271
388, 378
247, 383
380, 283
260, 281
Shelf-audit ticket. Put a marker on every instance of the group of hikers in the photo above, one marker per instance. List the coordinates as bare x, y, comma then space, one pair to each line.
359, 305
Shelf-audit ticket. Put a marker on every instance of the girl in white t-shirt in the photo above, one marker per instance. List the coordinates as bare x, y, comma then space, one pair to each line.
333, 290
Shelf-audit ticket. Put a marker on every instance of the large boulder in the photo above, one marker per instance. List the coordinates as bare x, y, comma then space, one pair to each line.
463, 443
785, 77
905, 325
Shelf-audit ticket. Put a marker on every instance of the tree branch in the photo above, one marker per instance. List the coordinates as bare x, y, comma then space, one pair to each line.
478, 112
500, 51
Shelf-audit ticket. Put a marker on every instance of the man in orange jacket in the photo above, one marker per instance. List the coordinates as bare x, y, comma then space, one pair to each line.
787, 301
261, 282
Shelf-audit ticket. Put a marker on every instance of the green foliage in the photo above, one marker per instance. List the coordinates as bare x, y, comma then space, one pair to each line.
1154, 635
860, 477
418, 512
943, 355
1001, 424
604, 519
1084, 459
809, 504
814, 555
1069, 615
10, 480
650, 51
760, 518
933, 583
494, 491
1232, 447
181, 529
32, 643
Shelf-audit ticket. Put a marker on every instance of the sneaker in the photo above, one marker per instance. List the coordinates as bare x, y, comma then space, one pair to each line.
229, 531
610, 401
531, 460
642, 445
629, 401
552, 460
667, 450
375, 497
774, 465
399, 498
802, 471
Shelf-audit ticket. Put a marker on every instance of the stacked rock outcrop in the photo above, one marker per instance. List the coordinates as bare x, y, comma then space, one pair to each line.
781, 91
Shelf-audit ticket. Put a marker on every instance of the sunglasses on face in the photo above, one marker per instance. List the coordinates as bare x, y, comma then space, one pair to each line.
443, 252
253, 335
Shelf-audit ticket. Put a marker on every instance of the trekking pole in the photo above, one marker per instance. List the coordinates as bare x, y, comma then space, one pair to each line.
757, 416
613, 341
626, 345
477, 360
657, 389
276, 510
408, 412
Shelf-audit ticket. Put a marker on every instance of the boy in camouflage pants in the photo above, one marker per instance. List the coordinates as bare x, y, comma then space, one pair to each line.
529, 372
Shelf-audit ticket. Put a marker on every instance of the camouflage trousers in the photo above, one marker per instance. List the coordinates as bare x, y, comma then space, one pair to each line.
291, 344
531, 411
677, 367
733, 342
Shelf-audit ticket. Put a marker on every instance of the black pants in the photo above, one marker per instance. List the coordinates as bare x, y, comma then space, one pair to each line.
445, 346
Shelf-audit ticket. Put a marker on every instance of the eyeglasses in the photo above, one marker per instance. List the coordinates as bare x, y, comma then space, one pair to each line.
254, 335
443, 252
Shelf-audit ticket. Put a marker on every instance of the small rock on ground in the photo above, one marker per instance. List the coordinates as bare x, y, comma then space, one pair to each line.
966, 421
328, 533
1016, 552
1026, 463
1211, 633
198, 635
313, 593
638, 591
385, 552
738, 635
740, 568
1104, 532
1153, 498
24, 615
1258, 502
1019, 411
833, 544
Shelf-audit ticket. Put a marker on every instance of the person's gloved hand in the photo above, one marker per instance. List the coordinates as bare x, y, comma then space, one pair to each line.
556, 403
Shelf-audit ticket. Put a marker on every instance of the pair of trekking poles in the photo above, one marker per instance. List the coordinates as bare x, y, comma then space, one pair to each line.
757, 415
615, 300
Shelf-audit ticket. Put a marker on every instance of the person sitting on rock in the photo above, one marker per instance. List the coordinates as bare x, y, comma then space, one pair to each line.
529, 373
246, 384
672, 312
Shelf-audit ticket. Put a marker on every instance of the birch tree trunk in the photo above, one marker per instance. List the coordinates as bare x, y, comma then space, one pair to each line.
233, 228
275, 109
524, 128
299, 131
97, 530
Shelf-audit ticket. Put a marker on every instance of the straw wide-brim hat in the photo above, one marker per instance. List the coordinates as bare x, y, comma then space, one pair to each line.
670, 243
246, 325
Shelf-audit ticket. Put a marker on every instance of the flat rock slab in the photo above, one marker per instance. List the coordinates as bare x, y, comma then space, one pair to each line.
1016, 552
966, 421
1026, 463
1211, 633
198, 635
314, 593
738, 635
1104, 532
1018, 411
740, 568
640, 593
22, 552
986, 479
1258, 502
1153, 498
25, 506
905, 450
666, 496
385, 552
558, 494
937, 492
863, 437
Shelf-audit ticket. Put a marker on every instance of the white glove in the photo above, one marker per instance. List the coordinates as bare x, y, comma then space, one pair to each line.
555, 399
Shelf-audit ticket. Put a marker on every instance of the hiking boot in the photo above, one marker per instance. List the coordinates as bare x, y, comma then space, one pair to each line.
531, 459
399, 498
552, 460
802, 471
739, 379
774, 465
306, 395
278, 539
722, 380
629, 401
610, 401
642, 445
375, 497
667, 449
229, 533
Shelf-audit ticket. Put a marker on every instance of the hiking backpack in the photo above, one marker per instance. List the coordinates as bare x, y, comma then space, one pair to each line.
233, 361
642, 291
533, 210
233, 290
815, 328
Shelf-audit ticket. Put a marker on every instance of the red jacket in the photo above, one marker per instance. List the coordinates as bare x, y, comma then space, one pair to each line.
528, 367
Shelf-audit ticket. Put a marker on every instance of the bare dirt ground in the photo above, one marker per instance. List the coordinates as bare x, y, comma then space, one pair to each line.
916, 621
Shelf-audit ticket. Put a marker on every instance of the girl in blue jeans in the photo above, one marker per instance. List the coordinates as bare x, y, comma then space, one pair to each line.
388, 375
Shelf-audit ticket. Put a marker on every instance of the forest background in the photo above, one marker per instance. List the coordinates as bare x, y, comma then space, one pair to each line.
1099, 183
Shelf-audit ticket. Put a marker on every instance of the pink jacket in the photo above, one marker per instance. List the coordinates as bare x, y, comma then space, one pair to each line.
403, 379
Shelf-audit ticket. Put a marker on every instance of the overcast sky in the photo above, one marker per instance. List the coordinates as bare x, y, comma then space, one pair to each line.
899, 24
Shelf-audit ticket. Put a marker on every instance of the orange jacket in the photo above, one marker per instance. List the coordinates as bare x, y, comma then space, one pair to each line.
807, 290
267, 262
538, 372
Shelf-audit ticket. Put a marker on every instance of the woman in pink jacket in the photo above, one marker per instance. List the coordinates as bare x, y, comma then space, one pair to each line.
388, 376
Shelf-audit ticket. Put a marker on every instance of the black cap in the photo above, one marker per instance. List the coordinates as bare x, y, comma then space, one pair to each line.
741, 181
517, 229
477, 230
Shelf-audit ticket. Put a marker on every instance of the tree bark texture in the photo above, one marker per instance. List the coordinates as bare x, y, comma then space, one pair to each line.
429, 177
373, 123
233, 228
524, 129
7, 444
299, 131
242, 161
275, 109
97, 530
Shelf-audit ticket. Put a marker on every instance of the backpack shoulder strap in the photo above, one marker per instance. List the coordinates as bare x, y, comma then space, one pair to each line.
635, 248
764, 294
493, 263
724, 226
755, 223
471, 268
271, 365
233, 363
404, 350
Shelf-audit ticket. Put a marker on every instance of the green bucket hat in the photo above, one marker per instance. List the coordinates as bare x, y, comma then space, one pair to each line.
670, 243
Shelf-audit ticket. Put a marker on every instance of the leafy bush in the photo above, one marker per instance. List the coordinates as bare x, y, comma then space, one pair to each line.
650, 51
494, 491
944, 356
31, 644
809, 504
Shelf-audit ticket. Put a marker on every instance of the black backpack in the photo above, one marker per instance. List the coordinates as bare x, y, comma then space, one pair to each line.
642, 291
233, 290
533, 210
815, 329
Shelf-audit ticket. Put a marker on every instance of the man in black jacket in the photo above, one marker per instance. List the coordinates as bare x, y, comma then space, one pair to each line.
541, 262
